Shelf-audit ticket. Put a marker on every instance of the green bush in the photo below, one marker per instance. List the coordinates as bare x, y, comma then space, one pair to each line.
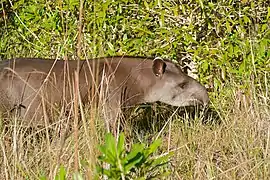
138, 163
224, 37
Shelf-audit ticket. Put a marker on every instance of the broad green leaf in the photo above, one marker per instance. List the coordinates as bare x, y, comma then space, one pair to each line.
136, 148
162, 159
131, 164
110, 144
121, 145
107, 155
153, 147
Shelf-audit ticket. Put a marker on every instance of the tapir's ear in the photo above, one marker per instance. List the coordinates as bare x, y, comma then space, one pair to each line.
158, 67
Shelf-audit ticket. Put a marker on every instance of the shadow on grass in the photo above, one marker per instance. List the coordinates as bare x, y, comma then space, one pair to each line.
152, 118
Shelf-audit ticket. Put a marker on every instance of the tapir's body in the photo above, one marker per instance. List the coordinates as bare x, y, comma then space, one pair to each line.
34, 87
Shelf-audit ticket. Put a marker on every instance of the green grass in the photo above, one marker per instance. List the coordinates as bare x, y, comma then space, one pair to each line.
229, 41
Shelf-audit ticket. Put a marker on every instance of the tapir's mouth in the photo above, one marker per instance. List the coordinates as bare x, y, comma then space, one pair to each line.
200, 102
194, 102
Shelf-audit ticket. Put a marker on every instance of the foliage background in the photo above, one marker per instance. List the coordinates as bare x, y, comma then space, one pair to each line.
229, 40
223, 37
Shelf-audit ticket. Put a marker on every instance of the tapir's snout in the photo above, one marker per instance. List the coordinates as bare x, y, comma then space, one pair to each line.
205, 99
201, 94
197, 92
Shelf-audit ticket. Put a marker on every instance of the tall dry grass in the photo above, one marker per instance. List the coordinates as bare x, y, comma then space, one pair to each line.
237, 147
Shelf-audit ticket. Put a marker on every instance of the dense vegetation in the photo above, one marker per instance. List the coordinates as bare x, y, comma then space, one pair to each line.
228, 40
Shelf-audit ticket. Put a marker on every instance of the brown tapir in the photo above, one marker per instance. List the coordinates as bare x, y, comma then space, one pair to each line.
34, 87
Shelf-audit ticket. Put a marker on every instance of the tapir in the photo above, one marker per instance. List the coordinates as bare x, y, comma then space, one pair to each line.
34, 87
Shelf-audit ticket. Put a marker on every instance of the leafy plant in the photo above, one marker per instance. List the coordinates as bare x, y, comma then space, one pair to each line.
138, 163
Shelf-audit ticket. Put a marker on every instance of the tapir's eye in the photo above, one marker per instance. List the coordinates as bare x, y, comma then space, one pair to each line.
182, 85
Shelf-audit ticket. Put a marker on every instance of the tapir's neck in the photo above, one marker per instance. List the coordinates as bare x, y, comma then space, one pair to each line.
133, 79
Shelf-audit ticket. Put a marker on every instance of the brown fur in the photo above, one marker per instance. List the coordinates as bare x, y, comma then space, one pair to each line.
29, 85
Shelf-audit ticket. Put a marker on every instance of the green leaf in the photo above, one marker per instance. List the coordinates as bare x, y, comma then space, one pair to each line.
61, 174
205, 66
246, 19
121, 145
162, 159
153, 147
162, 19
146, 5
104, 171
136, 148
109, 150
110, 144
111, 46
132, 163
264, 27
228, 26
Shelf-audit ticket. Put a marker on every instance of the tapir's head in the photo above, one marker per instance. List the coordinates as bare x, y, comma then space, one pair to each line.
174, 87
